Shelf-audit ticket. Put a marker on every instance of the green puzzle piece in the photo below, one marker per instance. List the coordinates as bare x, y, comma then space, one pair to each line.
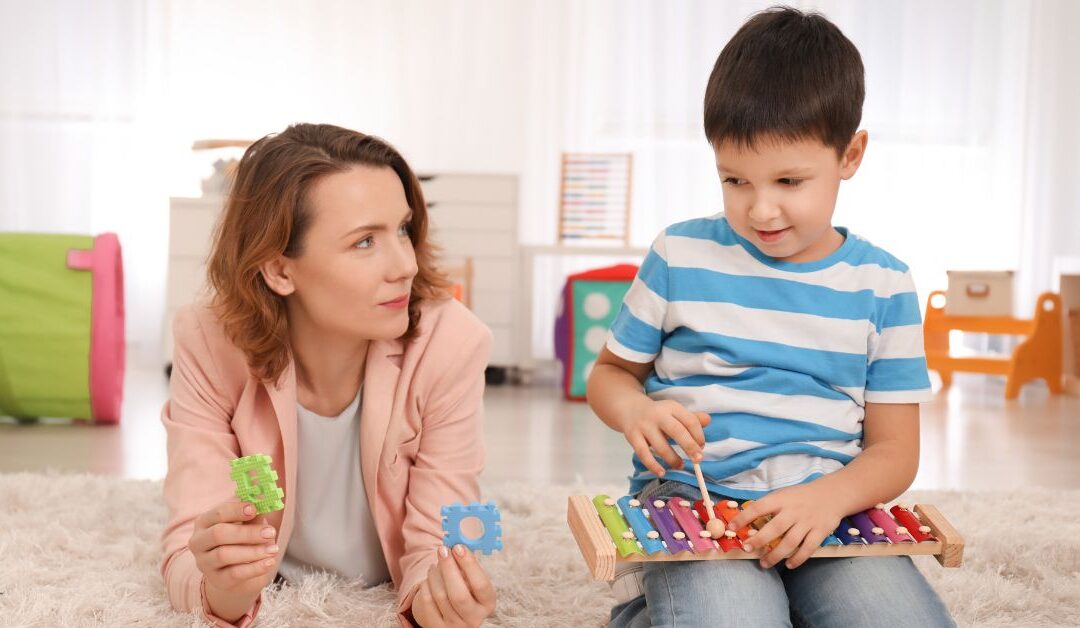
256, 482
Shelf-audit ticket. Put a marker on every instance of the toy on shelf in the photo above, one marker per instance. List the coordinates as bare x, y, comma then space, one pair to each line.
256, 482
594, 197
61, 326
589, 304
610, 531
487, 514
1038, 356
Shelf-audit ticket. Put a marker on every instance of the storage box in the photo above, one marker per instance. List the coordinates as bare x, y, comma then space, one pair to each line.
591, 300
979, 293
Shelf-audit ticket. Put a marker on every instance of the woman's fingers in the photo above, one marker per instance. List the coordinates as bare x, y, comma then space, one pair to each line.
226, 555
226, 512
224, 534
441, 597
233, 575
458, 590
424, 610
479, 583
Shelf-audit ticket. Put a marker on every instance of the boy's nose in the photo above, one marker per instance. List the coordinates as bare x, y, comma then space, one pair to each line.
762, 211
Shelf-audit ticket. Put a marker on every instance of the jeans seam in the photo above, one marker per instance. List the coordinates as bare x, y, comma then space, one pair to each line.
671, 597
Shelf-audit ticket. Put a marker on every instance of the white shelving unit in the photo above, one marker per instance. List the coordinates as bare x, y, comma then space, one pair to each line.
475, 216
191, 227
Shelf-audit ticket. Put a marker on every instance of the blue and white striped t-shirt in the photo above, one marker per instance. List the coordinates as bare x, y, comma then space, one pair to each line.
783, 356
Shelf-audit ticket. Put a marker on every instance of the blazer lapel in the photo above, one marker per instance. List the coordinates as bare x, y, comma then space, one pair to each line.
381, 372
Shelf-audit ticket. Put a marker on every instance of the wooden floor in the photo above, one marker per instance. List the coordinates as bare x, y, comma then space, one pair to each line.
972, 439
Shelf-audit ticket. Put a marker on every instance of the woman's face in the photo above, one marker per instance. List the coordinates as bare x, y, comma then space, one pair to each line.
354, 273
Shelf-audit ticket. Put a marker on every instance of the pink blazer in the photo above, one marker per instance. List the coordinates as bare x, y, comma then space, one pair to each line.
420, 439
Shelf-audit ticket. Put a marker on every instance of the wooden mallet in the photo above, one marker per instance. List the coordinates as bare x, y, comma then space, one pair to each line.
715, 526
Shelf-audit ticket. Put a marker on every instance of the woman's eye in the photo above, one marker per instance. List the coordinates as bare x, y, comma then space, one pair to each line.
366, 243
403, 230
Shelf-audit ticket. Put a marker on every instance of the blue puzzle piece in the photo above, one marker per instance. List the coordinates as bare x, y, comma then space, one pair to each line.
488, 514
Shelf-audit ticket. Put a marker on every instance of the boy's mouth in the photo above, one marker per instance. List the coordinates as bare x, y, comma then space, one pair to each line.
771, 236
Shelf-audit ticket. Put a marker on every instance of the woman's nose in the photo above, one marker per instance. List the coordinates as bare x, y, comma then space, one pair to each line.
403, 265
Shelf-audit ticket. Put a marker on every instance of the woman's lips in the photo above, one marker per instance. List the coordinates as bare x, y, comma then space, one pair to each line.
397, 303
771, 236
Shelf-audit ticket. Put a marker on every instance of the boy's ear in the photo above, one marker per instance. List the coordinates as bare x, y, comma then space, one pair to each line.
853, 155
277, 273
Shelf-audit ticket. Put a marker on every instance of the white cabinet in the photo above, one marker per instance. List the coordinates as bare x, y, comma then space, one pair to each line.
191, 228
475, 216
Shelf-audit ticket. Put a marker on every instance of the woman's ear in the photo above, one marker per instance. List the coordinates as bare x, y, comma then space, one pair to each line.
853, 155
277, 273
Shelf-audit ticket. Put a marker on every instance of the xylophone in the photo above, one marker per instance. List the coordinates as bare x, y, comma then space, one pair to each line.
662, 529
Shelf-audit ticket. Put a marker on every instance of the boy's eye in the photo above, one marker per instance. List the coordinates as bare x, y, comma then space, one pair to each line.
365, 243
732, 181
791, 182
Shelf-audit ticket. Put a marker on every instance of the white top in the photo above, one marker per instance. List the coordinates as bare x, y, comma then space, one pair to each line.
334, 529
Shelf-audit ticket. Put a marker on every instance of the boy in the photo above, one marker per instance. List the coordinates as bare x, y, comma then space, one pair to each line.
782, 353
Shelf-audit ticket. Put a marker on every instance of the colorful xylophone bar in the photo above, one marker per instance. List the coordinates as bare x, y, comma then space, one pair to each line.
626, 530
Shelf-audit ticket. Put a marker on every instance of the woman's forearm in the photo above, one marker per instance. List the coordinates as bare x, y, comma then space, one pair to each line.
229, 606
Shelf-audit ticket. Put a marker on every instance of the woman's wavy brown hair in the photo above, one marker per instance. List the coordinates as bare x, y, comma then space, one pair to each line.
267, 214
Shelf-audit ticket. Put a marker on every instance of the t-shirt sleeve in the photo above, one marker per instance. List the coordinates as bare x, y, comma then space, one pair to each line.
638, 330
896, 368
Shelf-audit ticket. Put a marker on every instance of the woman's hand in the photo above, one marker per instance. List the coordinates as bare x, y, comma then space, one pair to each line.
802, 516
456, 594
235, 550
657, 421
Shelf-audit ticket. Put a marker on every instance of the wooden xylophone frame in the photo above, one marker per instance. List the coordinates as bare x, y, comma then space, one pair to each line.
600, 554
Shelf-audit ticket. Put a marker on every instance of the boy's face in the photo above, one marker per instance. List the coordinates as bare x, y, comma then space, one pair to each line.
780, 195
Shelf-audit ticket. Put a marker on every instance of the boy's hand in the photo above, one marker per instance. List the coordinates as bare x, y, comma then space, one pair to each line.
656, 422
803, 515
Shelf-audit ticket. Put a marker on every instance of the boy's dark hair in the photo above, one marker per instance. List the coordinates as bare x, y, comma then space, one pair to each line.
789, 75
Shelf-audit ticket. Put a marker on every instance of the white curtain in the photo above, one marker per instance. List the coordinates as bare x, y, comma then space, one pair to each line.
79, 130
970, 108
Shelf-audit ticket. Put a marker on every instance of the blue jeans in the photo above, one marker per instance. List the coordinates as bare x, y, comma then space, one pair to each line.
879, 591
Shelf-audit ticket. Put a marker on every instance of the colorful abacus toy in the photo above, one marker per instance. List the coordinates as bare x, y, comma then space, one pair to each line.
610, 531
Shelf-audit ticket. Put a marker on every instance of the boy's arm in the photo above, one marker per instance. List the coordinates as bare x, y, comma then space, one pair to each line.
805, 514
886, 466
616, 395
614, 389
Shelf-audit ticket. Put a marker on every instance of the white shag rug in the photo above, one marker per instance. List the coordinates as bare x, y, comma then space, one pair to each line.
82, 550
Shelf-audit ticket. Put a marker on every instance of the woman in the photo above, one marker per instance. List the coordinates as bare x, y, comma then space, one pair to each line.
331, 345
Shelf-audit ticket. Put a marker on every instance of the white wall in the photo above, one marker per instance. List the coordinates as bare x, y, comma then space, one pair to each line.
970, 107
